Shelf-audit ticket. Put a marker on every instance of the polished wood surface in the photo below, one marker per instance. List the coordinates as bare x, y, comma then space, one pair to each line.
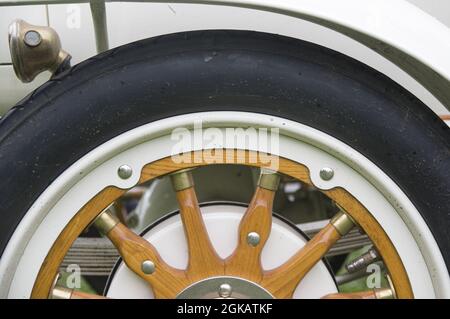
352, 295
203, 259
282, 281
289, 273
246, 259
79, 222
379, 238
166, 282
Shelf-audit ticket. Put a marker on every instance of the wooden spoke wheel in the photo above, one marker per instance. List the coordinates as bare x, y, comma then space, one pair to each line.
204, 264
100, 144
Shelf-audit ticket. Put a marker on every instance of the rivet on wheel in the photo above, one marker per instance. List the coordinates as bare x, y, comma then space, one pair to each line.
253, 239
148, 267
326, 173
225, 290
125, 172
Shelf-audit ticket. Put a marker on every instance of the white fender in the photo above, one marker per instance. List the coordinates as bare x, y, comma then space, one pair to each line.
396, 29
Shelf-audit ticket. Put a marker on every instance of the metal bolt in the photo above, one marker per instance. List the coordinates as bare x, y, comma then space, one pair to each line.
384, 293
148, 267
253, 239
61, 293
225, 290
326, 173
125, 172
363, 261
391, 285
32, 38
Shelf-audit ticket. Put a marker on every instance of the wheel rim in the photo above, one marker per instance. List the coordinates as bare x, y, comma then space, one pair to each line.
114, 192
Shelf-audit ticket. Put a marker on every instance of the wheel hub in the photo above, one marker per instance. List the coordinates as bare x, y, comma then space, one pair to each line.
222, 223
224, 287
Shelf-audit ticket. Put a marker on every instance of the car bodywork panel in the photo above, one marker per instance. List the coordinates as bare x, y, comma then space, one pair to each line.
399, 31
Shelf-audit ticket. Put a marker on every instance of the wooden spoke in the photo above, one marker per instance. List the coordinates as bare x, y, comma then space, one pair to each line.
66, 293
142, 258
254, 230
385, 293
282, 281
353, 295
203, 259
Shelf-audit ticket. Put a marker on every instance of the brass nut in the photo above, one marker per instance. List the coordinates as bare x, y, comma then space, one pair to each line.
384, 293
269, 179
391, 286
182, 179
342, 222
61, 293
105, 222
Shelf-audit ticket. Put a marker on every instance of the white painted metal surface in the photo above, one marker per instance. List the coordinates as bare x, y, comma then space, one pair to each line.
401, 32
396, 21
436, 8
12, 90
58, 204
222, 224
73, 22
157, 19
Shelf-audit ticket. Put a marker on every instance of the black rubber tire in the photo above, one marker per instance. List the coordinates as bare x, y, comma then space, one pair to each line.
152, 79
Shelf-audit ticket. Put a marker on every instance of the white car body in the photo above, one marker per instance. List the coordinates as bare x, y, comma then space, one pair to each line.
404, 32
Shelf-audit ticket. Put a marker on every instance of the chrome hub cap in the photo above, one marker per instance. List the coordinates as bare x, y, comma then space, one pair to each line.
224, 287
